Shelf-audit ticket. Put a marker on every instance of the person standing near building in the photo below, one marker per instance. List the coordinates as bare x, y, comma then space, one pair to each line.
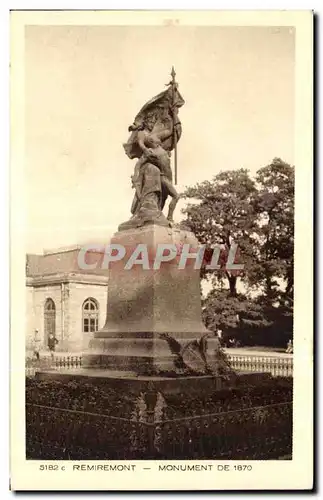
289, 349
52, 341
219, 336
37, 344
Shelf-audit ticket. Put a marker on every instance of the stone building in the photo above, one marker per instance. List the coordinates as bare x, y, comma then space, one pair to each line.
64, 298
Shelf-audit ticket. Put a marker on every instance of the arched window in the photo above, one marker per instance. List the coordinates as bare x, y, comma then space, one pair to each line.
49, 318
90, 315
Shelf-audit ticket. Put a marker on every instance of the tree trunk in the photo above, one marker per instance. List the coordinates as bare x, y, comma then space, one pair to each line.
232, 284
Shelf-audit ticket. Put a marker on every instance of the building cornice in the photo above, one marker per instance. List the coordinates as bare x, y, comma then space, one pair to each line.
59, 278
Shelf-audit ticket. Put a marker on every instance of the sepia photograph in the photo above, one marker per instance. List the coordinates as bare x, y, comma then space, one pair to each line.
156, 208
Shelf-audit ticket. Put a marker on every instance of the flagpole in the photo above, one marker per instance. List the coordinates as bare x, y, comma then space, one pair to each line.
173, 74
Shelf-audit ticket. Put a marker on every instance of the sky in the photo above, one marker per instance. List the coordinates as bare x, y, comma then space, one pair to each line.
85, 84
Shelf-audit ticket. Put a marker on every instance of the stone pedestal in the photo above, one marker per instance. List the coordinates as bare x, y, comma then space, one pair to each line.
144, 303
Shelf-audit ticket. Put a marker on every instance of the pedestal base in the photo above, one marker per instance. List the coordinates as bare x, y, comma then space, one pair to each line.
145, 303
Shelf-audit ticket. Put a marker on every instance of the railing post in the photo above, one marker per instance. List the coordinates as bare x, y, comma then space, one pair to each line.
151, 400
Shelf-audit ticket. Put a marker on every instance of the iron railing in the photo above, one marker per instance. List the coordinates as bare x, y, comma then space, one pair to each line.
255, 433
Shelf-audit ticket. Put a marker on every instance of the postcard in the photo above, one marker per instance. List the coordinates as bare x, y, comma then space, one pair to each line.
161, 206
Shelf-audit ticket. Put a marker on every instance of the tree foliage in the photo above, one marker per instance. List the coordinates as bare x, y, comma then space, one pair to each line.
224, 215
258, 215
274, 206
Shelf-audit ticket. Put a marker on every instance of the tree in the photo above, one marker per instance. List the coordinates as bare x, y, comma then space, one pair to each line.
221, 310
273, 275
274, 205
225, 215
258, 215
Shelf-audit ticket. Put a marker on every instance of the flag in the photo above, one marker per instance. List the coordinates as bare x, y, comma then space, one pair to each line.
156, 114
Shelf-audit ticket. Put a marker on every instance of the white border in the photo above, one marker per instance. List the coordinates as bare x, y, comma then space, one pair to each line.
98, 5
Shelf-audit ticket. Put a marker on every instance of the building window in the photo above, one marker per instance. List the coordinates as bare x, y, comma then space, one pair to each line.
49, 318
90, 316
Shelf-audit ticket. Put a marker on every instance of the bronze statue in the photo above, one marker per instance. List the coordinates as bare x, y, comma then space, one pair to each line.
154, 134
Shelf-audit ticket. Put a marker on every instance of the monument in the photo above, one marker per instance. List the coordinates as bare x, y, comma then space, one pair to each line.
154, 358
154, 323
